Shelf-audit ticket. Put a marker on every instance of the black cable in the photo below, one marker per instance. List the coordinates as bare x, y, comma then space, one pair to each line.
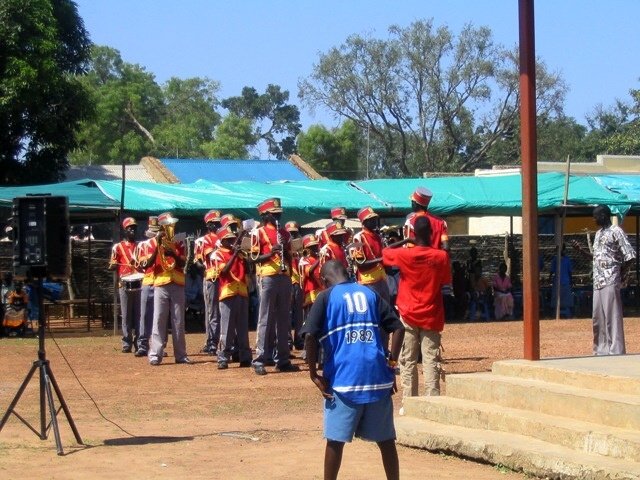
85, 390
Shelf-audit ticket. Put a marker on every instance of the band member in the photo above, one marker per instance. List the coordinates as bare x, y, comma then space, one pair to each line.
232, 221
368, 253
309, 271
234, 302
420, 200
142, 254
204, 246
337, 214
123, 262
335, 244
270, 250
168, 302
296, 293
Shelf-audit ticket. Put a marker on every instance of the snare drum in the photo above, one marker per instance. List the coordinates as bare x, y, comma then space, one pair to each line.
133, 282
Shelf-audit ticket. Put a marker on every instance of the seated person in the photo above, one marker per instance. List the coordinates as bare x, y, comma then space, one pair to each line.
502, 297
15, 314
479, 295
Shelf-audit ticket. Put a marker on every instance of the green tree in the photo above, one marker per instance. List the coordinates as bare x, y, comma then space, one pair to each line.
274, 120
332, 153
233, 137
129, 104
190, 117
430, 99
44, 43
615, 130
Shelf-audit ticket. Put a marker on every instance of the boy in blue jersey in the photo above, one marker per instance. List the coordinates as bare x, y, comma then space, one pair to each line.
358, 380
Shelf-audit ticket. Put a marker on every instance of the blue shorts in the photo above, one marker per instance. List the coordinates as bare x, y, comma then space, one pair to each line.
369, 421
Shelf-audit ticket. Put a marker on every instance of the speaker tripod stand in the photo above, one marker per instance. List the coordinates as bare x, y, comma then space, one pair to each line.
48, 386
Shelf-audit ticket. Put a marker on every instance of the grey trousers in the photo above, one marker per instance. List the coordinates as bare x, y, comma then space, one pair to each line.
130, 310
146, 317
168, 303
296, 314
273, 319
234, 323
211, 313
608, 328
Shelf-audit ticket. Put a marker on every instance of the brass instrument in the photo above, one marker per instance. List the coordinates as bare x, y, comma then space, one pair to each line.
166, 243
283, 265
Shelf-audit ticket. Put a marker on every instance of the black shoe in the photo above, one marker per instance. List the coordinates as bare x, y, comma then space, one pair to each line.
205, 349
185, 360
126, 349
245, 364
140, 353
223, 365
259, 369
154, 362
288, 367
212, 352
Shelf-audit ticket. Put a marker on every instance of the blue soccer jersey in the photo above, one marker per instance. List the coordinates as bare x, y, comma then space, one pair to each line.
347, 319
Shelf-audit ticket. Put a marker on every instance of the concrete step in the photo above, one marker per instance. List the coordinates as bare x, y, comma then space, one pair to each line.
517, 452
575, 434
620, 373
605, 408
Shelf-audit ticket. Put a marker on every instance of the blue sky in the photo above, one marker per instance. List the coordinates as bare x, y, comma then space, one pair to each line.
595, 44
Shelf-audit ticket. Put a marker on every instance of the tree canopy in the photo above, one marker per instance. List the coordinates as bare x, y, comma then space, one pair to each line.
433, 101
44, 44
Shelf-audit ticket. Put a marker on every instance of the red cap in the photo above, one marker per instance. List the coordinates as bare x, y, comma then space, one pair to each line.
212, 216
339, 213
335, 228
422, 196
309, 240
366, 213
167, 219
228, 219
225, 232
292, 226
270, 205
127, 222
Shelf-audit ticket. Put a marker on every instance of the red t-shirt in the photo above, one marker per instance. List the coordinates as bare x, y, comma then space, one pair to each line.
423, 271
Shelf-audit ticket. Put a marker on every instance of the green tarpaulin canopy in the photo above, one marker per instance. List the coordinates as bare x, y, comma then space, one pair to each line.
311, 200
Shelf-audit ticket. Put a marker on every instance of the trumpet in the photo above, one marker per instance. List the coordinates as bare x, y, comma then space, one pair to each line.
283, 266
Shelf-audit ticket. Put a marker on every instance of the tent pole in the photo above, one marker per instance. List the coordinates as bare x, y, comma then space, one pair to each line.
559, 244
529, 180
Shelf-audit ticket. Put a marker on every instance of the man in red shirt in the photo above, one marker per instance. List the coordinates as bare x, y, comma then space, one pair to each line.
423, 272
333, 249
420, 200
122, 260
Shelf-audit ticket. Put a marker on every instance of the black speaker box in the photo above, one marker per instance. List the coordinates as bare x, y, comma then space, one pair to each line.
41, 236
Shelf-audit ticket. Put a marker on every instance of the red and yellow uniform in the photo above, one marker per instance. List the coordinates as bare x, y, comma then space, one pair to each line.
310, 280
142, 253
165, 273
439, 234
234, 282
262, 241
371, 247
122, 256
206, 247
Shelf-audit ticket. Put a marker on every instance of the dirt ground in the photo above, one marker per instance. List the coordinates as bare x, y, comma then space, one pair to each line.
194, 421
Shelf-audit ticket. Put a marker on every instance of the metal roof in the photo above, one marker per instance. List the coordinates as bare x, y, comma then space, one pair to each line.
190, 170
108, 172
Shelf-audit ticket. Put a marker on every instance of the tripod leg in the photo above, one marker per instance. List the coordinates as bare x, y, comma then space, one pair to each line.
52, 412
15, 400
63, 404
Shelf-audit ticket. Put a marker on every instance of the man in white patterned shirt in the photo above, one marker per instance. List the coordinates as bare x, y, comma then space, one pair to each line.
612, 257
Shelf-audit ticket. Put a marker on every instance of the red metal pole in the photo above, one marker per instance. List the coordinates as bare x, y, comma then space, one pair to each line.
528, 139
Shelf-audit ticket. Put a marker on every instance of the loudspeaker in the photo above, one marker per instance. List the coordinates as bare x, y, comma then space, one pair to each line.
41, 236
